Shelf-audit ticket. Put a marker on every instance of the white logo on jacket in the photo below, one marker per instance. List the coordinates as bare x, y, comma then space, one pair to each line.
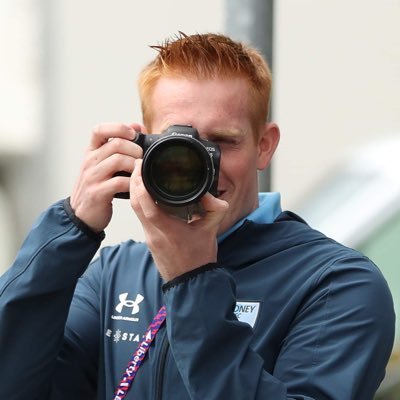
124, 302
247, 311
120, 336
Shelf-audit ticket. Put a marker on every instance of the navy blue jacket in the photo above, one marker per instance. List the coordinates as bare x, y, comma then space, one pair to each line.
285, 313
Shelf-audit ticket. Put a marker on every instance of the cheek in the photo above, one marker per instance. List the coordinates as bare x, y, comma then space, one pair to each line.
238, 167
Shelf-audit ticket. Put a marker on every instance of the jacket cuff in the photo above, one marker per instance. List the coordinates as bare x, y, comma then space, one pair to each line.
188, 275
97, 236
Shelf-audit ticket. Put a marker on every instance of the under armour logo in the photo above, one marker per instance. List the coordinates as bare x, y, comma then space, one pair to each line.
124, 302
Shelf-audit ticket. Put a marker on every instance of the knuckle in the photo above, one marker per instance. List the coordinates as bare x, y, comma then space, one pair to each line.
91, 158
92, 195
153, 242
150, 215
116, 144
115, 158
97, 129
120, 162
119, 184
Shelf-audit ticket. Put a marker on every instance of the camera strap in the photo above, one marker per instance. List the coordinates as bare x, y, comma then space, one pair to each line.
138, 356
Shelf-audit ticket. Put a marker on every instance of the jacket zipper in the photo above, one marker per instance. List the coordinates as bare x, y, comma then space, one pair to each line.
161, 367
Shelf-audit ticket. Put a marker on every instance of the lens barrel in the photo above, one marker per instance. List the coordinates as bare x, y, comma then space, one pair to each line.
177, 170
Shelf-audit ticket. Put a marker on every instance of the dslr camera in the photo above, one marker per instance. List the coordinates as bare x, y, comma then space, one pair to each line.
178, 168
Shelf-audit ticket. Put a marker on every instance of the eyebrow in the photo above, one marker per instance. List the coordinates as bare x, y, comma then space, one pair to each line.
229, 132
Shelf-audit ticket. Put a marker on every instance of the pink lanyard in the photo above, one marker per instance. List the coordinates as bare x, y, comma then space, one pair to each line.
138, 356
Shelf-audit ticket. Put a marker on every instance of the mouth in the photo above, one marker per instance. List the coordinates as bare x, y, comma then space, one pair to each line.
220, 193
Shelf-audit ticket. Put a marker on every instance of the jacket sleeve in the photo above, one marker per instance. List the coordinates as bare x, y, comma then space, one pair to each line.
35, 296
337, 346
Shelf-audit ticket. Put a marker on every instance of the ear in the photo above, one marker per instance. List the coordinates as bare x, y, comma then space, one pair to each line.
267, 143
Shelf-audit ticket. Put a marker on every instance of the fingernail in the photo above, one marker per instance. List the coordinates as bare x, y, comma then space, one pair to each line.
132, 133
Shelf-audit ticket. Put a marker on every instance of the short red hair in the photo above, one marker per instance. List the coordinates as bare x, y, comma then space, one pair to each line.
208, 56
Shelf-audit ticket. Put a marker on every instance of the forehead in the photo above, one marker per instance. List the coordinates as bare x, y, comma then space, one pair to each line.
200, 102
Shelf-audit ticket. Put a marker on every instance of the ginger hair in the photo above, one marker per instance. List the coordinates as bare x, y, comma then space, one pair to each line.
208, 56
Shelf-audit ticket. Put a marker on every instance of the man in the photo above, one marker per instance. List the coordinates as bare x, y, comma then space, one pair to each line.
258, 305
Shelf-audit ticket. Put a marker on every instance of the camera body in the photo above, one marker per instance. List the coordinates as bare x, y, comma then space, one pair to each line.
178, 167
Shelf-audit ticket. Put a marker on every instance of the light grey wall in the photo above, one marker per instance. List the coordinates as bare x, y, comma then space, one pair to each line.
336, 85
99, 48
85, 59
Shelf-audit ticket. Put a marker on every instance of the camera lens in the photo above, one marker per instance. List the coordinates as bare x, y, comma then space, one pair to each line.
177, 170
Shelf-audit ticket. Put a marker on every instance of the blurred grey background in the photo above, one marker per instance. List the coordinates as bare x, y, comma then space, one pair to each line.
67, 65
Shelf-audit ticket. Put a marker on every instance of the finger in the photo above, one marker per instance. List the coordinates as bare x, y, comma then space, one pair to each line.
137, 127
114, 146
137, 171
94, 175
143, 204
215, 208
103, 132
139, 194
111, 165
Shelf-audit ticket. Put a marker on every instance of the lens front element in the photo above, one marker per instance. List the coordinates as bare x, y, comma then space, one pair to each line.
177, 170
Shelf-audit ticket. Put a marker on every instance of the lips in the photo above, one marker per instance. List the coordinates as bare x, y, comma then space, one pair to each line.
220, 193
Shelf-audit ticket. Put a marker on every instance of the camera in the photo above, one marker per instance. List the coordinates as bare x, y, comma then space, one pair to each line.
178, 167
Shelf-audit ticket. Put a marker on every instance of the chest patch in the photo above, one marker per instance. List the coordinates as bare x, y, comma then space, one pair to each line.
247, 311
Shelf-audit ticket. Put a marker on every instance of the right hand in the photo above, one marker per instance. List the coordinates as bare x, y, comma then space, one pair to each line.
110, 151
177, 246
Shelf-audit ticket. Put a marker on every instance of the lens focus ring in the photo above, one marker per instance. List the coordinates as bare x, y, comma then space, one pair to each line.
177, 170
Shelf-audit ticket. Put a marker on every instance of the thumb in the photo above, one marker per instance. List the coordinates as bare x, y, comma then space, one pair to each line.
215, 208
137, 127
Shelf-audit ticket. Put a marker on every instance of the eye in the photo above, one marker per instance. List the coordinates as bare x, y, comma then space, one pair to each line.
225, 140
230, 141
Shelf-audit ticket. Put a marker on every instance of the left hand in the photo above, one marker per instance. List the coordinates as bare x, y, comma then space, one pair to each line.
176, 246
